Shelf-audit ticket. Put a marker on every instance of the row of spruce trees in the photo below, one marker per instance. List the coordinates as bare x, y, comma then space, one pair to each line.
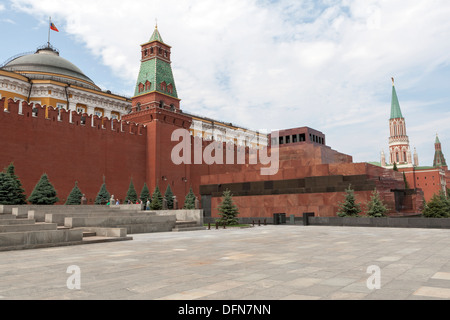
44, 193
437, 207
12, 192
350, 208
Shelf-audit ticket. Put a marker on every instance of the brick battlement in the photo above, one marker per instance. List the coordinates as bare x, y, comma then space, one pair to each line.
36, 112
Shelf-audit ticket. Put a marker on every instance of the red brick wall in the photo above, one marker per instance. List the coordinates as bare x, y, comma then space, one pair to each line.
70, 152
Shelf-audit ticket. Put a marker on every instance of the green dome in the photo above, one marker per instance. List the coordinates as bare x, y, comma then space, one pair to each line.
46, 64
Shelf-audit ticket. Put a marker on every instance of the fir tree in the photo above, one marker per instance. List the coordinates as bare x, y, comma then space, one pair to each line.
349, 208
7, 189
395, 167
437, 207
18, 196
189, 200
75, 195
131, 193
156, 203
376, 207
43, 193
228, 211
103, 195
406, 181
145, 193
168, 195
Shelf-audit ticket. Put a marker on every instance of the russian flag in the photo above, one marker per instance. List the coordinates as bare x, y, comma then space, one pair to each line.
53, 27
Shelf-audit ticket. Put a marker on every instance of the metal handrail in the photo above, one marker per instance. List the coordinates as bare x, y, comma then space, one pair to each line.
14, 58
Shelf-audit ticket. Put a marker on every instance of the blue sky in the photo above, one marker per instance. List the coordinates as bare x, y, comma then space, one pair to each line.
267, 65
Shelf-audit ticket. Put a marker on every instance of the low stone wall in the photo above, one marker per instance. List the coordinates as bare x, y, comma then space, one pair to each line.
34, 239
22, 210
388, 222
59, 217
184, 215
133, 224
27, 227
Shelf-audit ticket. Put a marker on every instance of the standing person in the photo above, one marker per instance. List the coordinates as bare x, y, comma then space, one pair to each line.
117, 202
147, 205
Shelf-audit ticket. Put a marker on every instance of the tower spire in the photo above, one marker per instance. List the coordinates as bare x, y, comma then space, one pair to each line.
399, 149
396, 112
439, 159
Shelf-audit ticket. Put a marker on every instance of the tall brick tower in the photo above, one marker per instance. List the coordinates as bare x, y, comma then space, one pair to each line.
156, 105
155, 85
400, 152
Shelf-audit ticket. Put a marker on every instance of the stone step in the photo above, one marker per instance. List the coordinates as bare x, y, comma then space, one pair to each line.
89, 234
7, 216
16, 221
28, 227
187, 226
177, 229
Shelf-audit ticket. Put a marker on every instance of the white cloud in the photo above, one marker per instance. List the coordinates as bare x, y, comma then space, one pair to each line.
267, 64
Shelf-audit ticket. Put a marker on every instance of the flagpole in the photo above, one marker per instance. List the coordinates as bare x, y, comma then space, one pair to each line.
49, 23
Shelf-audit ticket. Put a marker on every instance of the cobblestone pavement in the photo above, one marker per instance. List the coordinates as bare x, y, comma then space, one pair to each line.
261, 263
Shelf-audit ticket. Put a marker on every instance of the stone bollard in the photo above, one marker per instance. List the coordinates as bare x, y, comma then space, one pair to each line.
175, 203
197, 203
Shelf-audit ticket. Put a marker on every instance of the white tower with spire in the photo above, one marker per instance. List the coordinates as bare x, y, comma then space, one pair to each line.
399, 149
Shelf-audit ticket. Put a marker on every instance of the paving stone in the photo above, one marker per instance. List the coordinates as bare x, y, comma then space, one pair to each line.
260, 263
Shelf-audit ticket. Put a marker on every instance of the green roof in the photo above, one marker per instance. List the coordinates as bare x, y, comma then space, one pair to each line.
439, 159
396, 113
156, 71
437, 140
156, 36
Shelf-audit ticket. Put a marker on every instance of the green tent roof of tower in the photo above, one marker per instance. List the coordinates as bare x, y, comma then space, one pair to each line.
437, 140
396, 113
156, 71
439, 159
156, 36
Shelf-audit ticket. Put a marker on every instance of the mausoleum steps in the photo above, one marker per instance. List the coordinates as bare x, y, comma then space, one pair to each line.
187, 226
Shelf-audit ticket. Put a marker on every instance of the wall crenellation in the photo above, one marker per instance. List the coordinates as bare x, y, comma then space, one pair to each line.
70, 118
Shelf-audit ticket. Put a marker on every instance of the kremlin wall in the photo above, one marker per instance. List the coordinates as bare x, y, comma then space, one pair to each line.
71, 144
